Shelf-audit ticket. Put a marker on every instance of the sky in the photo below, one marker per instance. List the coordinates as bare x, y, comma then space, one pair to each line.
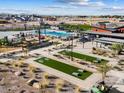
63, 7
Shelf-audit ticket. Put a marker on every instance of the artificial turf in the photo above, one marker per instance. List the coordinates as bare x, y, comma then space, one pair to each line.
68, 69
83, 57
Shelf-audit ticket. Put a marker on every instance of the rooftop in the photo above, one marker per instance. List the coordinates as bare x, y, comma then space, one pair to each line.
110, 40
120, 35
109, 26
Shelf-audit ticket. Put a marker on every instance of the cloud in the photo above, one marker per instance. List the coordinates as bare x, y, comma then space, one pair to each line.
114, 8
58, 7
71, 1
86, 3
117, 8
89, 4
14, 10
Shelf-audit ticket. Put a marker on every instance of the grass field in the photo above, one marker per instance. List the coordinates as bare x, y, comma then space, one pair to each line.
68, 69
83, 57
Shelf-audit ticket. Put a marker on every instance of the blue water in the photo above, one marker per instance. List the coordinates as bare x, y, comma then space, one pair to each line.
48, 32
55, 33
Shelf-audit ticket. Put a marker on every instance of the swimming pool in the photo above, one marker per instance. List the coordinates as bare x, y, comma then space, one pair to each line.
47, 32
55, 33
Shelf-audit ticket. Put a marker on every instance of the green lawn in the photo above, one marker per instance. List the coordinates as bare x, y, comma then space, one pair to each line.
83, 57
68, 69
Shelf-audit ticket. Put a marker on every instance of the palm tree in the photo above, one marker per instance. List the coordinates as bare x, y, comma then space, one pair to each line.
39, 28
46, 26
42, 26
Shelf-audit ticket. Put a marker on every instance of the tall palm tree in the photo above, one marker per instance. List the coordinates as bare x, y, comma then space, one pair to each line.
42, 26
39, 33
46, 26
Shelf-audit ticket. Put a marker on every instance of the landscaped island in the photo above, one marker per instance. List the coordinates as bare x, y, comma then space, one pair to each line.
68, 69
84, 57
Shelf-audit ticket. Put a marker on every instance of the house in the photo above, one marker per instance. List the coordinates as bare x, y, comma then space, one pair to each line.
108, 27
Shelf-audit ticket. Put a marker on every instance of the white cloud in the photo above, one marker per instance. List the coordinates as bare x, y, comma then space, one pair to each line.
89, 4
86, 3
58, 7
114, 8
117, 8
6, 10
71, 1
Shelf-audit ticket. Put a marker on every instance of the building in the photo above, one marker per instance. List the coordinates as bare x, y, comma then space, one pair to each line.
105, 34
108, 27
